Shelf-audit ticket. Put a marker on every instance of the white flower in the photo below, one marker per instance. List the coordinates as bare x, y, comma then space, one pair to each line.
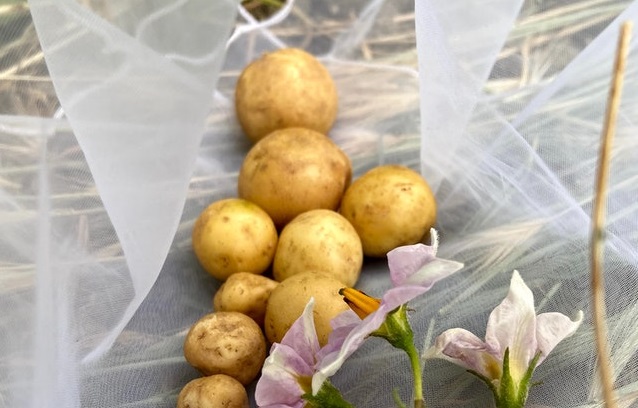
513, 329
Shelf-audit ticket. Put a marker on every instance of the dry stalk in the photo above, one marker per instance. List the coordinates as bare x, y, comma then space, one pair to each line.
598, 217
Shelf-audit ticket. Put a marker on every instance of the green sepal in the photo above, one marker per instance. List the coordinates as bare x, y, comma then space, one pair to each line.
327, 397
396, 329
509, 394
524, 385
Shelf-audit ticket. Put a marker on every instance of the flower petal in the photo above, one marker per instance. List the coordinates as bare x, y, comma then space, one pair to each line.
418, 265
400, 295
463, 348
279, 381
512, 324
344, 319
332, 361
552, 328
341, 325
289, 362
404, 261
302, 336
431, 273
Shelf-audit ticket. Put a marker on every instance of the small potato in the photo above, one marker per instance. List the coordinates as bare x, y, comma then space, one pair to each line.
234, 235
228, 343
245, 293
322, 241
389, 206
215, 391
292, 171
285, 88
288, 300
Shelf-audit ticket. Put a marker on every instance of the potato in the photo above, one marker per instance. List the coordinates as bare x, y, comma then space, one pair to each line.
228, 343
285, 88
319, 240
292, 171
234, 235
245, 293
389, 206
215, 391
288, 300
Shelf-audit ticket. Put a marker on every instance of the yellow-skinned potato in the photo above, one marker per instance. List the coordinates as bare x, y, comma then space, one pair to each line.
288, 300
322, 241
292, 171
234, 235
285, 88
228, 343
389, 206
215, 391
245, 293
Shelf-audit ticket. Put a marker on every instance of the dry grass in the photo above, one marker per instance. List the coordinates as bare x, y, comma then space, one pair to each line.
26, 89
544, 28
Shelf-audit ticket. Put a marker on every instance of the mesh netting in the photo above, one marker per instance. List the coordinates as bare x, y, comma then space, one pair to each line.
111, 148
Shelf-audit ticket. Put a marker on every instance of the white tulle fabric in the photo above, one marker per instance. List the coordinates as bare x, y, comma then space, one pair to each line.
98, 284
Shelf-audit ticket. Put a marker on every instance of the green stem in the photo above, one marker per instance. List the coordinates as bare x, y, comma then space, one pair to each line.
415, 362
397, 399
397, 331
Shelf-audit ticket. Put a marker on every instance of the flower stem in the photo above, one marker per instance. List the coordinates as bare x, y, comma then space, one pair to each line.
415, 362
397, 399
397, 331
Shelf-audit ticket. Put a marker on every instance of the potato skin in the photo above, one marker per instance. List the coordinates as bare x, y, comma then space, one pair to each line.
228, 343
215, 391
234, 235
389, 206
288, 300
322, 241
292, 171
245, 293
285, 88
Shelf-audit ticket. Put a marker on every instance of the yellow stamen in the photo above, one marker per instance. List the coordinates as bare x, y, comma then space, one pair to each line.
305, 383
359, 302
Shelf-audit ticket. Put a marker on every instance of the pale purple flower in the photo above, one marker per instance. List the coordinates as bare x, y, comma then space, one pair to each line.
288, 370
414, 269
512, 325
298, 365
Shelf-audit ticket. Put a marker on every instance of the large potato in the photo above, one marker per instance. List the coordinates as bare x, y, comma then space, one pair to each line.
285, 88
234, 235
228, 343
215, 391
288, 300
389, 206
319, 240
292, 171
245, 293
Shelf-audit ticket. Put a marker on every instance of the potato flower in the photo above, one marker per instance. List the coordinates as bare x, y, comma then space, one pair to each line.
414, 269
516, 342
297, 369
287, 373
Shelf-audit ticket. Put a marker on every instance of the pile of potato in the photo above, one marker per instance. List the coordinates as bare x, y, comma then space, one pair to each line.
299, 228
